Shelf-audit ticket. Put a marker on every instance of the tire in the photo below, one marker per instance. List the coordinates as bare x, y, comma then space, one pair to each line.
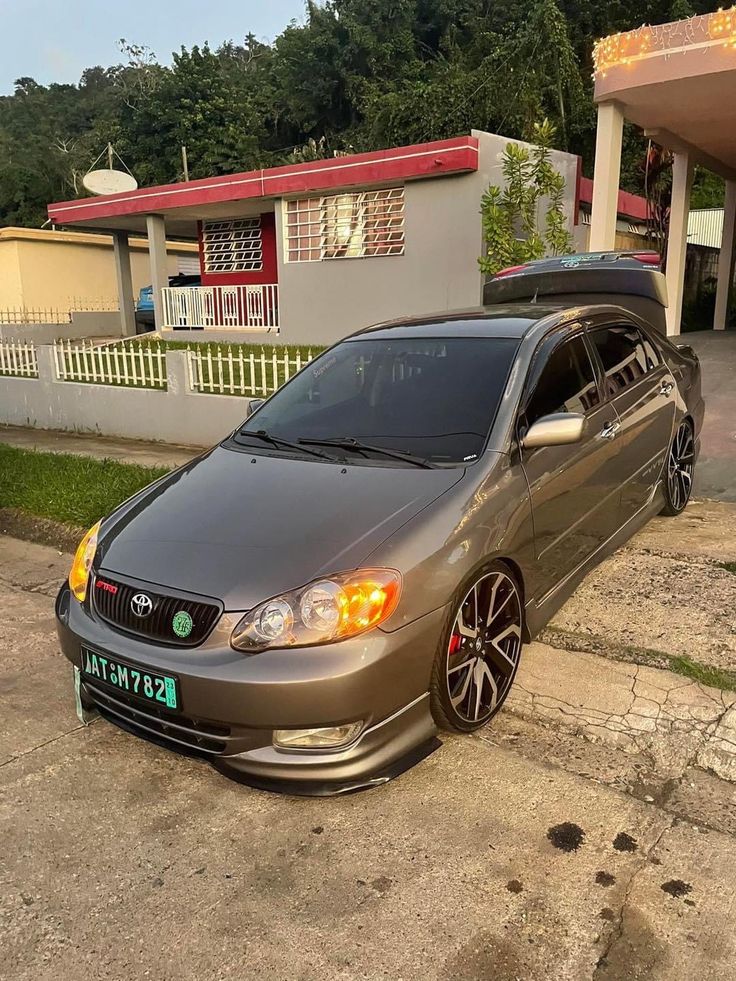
479, 651
679, 470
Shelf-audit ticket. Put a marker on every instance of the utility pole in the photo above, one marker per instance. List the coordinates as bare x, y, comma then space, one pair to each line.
184, 163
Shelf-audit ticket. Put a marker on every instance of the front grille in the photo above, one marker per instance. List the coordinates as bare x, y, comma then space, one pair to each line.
151, 721
112, 600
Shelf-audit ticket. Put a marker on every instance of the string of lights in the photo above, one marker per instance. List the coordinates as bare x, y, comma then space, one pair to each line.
623, 48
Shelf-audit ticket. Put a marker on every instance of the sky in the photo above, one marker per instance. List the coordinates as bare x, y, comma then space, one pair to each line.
55, 40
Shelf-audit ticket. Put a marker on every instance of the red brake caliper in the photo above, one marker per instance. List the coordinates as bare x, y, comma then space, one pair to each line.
455, 642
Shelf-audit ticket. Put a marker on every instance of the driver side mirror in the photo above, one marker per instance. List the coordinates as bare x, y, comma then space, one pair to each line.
253, 406
557, 429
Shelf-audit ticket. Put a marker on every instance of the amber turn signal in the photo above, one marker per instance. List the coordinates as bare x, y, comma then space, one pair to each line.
82, 564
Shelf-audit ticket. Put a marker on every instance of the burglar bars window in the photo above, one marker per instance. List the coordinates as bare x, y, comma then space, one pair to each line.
345, 226
232, 246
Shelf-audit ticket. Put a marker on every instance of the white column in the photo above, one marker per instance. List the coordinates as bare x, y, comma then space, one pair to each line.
682, 182
726, 258
159, 265
606, 176
121, 252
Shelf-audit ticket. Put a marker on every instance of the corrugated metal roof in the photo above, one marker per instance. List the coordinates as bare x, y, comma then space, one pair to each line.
705, 227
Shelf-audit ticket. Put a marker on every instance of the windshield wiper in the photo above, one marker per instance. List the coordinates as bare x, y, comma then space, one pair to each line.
348, 443
286, 444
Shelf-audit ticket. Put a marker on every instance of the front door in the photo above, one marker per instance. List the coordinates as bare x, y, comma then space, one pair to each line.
642, 390
573, 489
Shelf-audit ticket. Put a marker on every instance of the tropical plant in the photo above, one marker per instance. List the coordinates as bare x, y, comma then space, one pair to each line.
533, 188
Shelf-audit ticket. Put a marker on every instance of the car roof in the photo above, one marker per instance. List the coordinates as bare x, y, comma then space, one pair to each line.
512, 320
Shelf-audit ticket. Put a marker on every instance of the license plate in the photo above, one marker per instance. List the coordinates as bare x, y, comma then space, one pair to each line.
160, 689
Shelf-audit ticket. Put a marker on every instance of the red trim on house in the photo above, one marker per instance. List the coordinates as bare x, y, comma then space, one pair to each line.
629, 205
435, 159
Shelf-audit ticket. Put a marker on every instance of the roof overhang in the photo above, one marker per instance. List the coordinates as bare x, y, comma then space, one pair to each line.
677, 82
182, 205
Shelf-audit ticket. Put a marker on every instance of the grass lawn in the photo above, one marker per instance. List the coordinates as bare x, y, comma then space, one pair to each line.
226, 346
75, 490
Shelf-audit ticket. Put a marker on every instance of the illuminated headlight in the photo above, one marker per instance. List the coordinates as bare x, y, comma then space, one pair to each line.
326, 738
321, 612
82, 564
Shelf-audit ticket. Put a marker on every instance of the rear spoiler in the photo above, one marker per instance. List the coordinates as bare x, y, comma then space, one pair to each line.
584, 275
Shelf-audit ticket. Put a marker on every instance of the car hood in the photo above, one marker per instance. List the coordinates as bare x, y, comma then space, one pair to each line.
242, 526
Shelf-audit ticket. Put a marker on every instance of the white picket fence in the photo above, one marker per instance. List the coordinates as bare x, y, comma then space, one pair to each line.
18, 359
211, 370
236, 372
26, 315
134, 365
57, 315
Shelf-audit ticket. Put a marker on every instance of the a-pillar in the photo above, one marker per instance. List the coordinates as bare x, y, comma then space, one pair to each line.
608, 139
121, 252
156, 228
726, 258
682, 182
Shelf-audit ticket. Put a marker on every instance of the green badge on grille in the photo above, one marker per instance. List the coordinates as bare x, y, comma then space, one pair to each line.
182, 624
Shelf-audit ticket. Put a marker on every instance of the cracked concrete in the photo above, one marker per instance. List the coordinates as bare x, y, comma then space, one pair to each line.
675, 722
663, 592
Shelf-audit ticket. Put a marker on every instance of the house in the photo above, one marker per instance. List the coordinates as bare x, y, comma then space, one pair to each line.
311, 252
677, 82
631, 219
50, 270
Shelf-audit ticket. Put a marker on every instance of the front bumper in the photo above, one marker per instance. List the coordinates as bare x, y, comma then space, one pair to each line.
232, 702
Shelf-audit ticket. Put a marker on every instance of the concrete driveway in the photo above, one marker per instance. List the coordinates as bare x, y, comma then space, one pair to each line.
546, 847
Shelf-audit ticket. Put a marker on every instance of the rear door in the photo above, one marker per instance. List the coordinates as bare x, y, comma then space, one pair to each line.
640, 386
574, 490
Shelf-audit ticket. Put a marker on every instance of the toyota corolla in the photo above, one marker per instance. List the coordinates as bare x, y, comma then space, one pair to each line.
358, 565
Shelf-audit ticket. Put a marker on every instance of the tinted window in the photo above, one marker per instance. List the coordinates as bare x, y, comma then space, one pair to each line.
433, 397
566, 384
624, 355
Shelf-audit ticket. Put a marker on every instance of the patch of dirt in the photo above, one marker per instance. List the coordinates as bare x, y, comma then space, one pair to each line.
42, 531
676, 888
567, 837
605, 879
624, 842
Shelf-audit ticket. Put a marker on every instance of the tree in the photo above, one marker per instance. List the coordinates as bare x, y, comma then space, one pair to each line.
362, 74
511, 228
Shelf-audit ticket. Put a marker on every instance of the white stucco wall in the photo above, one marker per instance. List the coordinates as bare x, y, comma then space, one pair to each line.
321, 302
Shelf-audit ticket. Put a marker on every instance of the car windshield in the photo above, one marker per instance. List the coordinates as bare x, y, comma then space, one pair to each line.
432, 398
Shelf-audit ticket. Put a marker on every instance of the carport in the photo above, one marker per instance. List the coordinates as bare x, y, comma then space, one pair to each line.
676, 81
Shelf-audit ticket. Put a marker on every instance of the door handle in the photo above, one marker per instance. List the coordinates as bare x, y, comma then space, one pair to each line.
609, 430
666, 387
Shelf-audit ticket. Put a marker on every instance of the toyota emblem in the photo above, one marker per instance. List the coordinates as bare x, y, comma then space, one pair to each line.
141, 605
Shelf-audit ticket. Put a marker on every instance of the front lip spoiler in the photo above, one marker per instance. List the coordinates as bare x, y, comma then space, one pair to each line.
321, 788
301, 788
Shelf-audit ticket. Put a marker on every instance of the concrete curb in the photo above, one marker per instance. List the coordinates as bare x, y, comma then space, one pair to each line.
674, 721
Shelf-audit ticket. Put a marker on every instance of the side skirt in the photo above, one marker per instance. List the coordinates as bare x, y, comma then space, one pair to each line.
539, 612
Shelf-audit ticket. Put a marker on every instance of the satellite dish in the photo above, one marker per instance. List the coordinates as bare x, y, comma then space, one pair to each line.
109, 181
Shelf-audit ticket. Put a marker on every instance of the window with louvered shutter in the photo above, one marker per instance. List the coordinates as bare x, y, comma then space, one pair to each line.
234, 245
345, 226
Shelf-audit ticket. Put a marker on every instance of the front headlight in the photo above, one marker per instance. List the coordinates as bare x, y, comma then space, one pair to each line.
321, 612
79, 573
